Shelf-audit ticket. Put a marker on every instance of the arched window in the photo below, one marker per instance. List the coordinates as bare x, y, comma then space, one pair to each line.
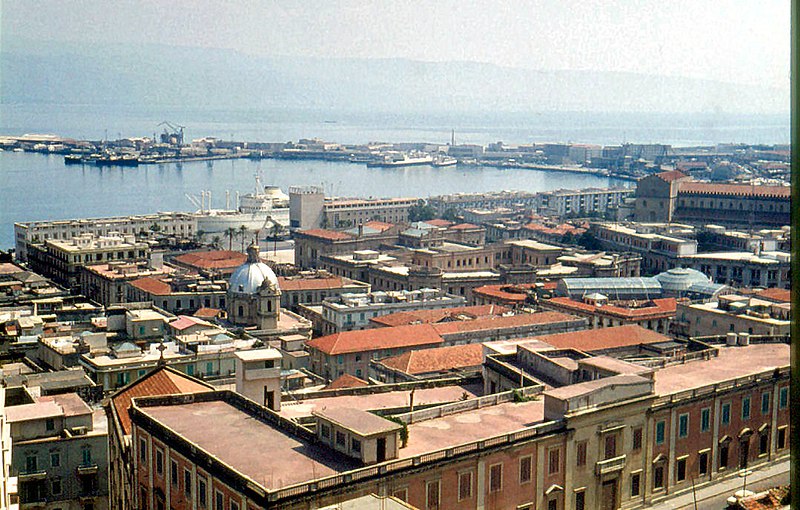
269, 305
241, 311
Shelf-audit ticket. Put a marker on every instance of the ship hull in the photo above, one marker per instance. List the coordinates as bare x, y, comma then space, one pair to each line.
219, 222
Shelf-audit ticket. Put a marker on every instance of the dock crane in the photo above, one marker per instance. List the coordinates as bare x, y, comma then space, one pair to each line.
176, 134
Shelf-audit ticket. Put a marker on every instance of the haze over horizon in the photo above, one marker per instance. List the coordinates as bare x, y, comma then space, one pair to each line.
485, 56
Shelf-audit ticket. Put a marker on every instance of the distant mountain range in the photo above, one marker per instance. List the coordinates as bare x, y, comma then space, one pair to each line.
37, 72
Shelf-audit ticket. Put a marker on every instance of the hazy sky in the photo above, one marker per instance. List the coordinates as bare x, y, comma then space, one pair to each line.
732, 41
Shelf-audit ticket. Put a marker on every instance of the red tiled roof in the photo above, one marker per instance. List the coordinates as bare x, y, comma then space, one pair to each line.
672, 175
464, 226
186, 321
503, 291
439, 359
431, 316
152, 286
513, 321
604, 338
208, 313
346, 381
775, 294
375, 339
378, 225
299, 283
439, 223
664, 307
742, 190
161, 381
217, 259
326, 234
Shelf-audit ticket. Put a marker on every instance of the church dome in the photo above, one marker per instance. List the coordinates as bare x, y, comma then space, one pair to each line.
249, 277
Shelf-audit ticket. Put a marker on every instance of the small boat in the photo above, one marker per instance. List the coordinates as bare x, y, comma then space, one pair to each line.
401, 159
444, 161
73, 159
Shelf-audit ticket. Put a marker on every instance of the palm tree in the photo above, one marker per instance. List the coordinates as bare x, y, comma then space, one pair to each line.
243, 232
200, 235
215, 242
230, 232
274, 231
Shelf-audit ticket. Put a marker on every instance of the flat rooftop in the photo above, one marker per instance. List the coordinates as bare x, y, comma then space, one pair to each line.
732, 363
378, 401
233, 436
472, 425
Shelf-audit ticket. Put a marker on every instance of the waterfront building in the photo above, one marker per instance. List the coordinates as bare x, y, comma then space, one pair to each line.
675, 197
59, 453
631, 437
181, 225
306, 207
583, 202
458, 202
308, 210
349, 312
62, 260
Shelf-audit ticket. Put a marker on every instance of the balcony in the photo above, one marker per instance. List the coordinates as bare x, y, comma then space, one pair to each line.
87, 469
609, 466
30, 476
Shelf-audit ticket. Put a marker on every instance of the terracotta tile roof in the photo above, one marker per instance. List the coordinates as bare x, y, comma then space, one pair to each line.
366, 340
464, 226
217, 259
161, 381
439, 223
664, 307
208, 313
186, 321
775, 294
152, 286
672, 175
431, 316
326, 234
741, 190
504, 291
378, 225
346, 381
294, 283
513, 321
604, 338
439, 359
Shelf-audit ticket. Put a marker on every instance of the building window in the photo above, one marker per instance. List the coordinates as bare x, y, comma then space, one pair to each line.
173, 473
55, 487
658, 477
432, 493
202, 500
781, 438
746, 408
326, 430
464, 485
340, 438
702, 463
55, 459
680, 470
580, 500
525, 469
187, 483
683, 425
660, 429
783, 398
143, 451
581, 454
219, 501
637, 439
553, 461
763, 442
496, 478
234, 505
159, 462
726, 414
50, 424
552, 504
355, 445
401, 494
610, 449
723, 456
705, 419
635, 484
765, 402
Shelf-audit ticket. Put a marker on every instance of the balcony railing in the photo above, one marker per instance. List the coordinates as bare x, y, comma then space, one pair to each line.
608, 466
87, 469
29, 476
